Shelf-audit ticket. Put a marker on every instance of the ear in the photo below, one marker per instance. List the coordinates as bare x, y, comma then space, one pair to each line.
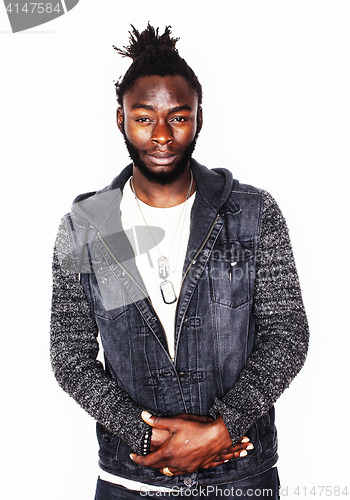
120, 118
199, 119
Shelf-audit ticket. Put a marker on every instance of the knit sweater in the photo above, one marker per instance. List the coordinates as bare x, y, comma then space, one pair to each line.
281, 330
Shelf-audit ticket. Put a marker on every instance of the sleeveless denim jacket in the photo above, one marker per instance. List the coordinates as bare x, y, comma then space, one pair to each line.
214, 330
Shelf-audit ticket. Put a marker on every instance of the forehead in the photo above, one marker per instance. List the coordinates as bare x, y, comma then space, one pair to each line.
161, 91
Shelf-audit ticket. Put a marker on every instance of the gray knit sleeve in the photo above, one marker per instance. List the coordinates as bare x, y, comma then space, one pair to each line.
281, 329
74, 348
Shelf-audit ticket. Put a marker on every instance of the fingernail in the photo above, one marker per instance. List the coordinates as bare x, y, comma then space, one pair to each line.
146, 414
250, 446
225, 461
243, 453
132, 456
245, 440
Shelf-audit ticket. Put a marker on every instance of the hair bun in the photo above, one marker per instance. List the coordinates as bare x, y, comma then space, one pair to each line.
150, 37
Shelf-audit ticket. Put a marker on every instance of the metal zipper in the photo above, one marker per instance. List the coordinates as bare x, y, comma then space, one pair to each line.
199, 251
187, 270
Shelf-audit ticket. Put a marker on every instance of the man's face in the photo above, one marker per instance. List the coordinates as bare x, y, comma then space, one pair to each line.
160, 122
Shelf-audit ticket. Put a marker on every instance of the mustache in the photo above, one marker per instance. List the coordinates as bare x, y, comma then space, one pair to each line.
160, 149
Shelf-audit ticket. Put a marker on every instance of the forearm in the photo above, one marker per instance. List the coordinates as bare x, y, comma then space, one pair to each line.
281, 330
74, 348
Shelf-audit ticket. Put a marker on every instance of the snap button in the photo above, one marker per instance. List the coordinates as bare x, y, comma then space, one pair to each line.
187, 481
105, 280
182, 376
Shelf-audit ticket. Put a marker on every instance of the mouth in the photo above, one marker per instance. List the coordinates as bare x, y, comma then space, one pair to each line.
162, 158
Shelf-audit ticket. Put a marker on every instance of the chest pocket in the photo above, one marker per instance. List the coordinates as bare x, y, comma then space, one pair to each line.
109, 298
231, 267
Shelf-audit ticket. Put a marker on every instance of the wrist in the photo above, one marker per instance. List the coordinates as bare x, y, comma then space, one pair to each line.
221, 432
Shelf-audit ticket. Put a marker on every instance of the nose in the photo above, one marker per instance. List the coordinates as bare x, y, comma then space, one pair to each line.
162, 133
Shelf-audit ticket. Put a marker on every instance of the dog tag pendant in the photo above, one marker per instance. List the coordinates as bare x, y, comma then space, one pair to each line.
163, 267
168, 292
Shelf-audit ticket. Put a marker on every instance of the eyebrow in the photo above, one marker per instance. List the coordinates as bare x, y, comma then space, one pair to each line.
185, 107
139, 105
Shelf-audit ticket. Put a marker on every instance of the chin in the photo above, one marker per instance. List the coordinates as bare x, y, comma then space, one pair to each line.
161, 174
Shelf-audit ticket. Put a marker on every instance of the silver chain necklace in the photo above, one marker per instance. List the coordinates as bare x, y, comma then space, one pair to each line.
166, 286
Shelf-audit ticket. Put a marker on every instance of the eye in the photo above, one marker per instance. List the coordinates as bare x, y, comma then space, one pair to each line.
143, 120
178, 119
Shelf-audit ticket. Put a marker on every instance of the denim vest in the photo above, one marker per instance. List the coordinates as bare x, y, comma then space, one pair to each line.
214, 330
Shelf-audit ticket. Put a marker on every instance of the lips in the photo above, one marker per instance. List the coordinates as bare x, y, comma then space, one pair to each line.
162, 158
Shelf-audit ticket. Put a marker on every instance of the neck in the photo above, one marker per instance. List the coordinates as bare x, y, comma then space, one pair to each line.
159, 196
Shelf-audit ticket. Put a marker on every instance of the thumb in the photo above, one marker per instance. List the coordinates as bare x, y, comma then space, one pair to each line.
158, 422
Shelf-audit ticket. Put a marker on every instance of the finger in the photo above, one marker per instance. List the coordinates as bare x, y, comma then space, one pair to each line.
242, 446
226, 451
148, 460
211, 465
227, 454
232, 449
159, 422
240, 452
174, 472
159, 437
157, 459
244, 439
223, 459
166, 471
200, 418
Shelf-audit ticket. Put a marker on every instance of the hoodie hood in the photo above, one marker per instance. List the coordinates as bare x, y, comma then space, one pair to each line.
99, 208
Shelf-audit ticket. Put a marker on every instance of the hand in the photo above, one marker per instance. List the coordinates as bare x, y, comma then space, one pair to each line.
192, 443
160, 436
239, 450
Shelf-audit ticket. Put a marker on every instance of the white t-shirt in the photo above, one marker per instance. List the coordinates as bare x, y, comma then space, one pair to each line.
175, 222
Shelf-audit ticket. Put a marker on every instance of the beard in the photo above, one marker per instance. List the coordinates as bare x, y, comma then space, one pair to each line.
162, 178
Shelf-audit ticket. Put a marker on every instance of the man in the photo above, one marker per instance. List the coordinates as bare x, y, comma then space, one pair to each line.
189, 278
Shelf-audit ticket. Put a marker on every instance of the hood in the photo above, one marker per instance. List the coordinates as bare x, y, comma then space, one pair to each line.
213, 186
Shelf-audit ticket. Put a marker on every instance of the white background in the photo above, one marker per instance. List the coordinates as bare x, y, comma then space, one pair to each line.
276, 85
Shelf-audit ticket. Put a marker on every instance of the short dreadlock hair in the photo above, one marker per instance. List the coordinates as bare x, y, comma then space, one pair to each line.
154, 54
